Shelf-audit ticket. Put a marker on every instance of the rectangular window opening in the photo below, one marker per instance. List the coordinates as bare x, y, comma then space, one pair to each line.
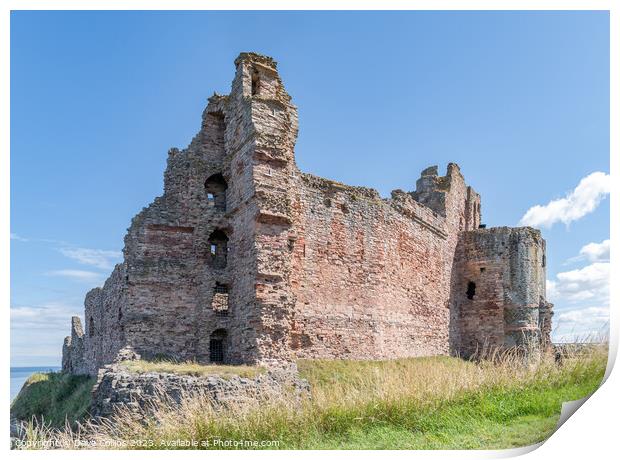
219, 303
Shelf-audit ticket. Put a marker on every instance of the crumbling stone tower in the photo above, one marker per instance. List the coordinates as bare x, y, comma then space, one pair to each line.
499, 291
245, 259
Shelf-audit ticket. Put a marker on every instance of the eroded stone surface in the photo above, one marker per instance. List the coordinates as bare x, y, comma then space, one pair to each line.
245, 259
503, 271
141, 393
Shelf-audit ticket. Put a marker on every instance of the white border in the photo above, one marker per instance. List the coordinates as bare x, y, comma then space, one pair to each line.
591, 433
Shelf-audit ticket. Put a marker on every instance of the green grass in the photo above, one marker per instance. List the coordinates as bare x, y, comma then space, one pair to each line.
490, 418
416, 403
192, 368
345, 373
504, 414
54, 398
478, 435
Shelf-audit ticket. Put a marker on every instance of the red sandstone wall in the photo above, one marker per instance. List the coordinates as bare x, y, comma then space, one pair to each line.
508, 306
369, 281
104, 322
372, 277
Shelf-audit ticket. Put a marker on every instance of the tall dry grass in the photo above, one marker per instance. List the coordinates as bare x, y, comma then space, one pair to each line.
349, 395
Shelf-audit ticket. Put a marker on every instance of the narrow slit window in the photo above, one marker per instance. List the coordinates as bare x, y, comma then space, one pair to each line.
255, 83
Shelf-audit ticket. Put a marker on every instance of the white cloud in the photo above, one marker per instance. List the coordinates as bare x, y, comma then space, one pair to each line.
49, 316
584, 199
596, 252
37, 332
99, 258
588, 283
16, 237
581, 298
79, 275
579, 316
581, 324
552, 291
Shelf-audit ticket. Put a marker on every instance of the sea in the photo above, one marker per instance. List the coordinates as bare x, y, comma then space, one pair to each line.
20, 374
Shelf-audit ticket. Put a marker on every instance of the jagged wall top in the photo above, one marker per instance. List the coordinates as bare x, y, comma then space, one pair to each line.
257, 58
431, 188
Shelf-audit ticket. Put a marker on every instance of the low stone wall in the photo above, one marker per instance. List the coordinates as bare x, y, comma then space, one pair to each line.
139, 393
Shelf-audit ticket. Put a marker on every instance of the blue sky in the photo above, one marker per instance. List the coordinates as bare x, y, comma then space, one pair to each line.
520, 100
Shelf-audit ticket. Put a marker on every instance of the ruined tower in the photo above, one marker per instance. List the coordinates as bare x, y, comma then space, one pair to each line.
498, 296
245, 259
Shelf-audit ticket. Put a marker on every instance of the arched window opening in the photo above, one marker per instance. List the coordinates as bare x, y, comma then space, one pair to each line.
471, 290
217, 344
255, 83
220, 299
91, 327
218, 242
216, 186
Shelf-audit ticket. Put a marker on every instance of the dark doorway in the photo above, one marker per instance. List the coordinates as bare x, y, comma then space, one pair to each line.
217, 346
471, 290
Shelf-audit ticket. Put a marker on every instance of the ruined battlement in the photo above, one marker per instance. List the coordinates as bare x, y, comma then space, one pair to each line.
245, 259
404, 203
257, 59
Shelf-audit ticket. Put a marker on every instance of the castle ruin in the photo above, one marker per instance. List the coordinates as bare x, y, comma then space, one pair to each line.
246, 259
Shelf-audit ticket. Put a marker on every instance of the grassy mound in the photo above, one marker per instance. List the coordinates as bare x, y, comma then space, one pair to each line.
417, 403
53, 398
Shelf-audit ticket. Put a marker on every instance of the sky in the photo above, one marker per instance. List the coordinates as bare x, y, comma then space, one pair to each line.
520, 100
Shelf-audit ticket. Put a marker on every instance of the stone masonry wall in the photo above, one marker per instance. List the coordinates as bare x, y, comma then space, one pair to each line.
245, 259
370, 275
141, 393
498, 299
73, 349
160, 300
